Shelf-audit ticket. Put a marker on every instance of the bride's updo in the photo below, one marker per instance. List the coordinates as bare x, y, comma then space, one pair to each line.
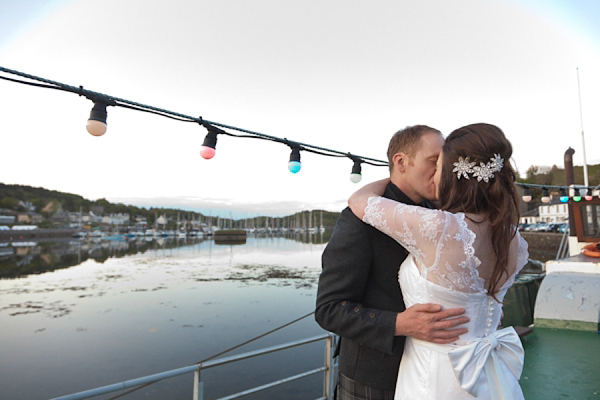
497, 199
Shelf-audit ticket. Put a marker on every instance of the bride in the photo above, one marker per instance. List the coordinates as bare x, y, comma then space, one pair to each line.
466, 254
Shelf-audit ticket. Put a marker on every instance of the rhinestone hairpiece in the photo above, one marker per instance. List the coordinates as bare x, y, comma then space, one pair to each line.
483, 172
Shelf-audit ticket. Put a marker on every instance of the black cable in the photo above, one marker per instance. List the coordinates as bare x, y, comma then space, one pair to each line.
114, 101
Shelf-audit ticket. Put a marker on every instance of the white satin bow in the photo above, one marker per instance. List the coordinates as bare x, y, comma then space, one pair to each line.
503, 346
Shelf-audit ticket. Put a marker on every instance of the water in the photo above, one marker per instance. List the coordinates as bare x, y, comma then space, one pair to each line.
78, 315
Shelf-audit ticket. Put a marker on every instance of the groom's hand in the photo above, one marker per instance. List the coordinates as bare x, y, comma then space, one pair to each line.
428, 322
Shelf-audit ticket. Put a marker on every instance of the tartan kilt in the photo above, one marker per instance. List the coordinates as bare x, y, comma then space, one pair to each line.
347, 389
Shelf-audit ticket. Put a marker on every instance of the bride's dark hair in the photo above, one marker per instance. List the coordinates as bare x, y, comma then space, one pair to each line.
497, 199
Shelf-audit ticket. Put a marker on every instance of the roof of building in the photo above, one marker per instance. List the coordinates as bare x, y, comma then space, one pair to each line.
532, 213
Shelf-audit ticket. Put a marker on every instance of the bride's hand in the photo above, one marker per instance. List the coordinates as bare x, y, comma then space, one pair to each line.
358, 201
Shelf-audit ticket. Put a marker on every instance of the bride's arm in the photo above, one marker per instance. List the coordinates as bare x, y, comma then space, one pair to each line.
359, 200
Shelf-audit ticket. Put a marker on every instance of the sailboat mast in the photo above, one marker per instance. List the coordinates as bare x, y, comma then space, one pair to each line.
585, 170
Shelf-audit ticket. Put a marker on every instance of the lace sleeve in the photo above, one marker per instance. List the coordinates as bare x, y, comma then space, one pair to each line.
440, 242
416, 228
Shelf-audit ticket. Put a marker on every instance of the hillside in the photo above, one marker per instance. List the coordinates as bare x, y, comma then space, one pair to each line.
47, 202
556, 176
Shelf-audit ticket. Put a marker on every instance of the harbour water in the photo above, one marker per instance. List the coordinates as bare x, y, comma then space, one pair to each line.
77, 315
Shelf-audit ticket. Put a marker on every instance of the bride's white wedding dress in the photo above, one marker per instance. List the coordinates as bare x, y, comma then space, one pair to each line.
449, 264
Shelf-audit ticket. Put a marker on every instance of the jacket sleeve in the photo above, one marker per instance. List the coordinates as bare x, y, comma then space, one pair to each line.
346, 264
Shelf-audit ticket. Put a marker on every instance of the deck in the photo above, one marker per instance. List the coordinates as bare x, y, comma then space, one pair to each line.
561, 364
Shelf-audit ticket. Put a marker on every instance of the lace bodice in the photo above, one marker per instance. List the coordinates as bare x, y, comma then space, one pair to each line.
441, 243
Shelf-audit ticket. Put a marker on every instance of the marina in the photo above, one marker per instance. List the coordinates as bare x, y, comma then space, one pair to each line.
137, 308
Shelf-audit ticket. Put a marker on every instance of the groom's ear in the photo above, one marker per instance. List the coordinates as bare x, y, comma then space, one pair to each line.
400, 160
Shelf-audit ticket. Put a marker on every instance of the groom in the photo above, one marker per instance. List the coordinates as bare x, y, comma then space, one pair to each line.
359, 296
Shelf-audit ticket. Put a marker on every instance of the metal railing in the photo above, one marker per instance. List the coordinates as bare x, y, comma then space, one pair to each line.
198, 388
563, 249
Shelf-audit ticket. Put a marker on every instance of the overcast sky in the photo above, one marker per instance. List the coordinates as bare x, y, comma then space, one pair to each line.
340, 74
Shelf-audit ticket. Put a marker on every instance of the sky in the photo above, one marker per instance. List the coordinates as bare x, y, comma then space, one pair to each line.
340, 74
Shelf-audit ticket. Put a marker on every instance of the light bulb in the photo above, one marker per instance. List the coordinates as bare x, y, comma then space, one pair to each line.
545, 196
95, 128
355, 178
208, 149
588, 197
207, 152
294, 166
355, 175
96, 124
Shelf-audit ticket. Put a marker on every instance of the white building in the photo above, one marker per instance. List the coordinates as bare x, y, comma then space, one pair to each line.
555, 211
116, 219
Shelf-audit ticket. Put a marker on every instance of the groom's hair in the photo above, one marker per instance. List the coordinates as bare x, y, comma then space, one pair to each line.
406, 141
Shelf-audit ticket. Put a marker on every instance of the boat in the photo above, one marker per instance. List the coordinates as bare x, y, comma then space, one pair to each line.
80, 235
569, 295
120, 237
96, 234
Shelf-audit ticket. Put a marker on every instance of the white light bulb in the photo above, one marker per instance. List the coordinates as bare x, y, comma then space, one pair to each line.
96, 128
355, 178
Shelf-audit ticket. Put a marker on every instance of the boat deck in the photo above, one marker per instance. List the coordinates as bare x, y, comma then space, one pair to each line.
561, 364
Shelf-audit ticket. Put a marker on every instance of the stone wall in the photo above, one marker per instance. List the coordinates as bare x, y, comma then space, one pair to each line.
542, 246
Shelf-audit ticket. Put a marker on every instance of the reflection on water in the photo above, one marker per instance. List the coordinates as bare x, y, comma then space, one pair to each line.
76, 315
32, 257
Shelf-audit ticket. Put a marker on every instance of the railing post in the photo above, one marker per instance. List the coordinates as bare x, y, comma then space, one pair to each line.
198, 385
196, 379
328, 386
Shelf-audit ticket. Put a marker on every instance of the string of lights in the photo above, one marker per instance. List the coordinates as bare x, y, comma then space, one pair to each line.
97, 126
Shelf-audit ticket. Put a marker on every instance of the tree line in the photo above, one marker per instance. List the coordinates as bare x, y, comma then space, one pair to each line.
46, 202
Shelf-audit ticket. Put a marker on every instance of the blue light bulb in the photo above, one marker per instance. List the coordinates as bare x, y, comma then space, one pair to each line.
564, 199
294, 166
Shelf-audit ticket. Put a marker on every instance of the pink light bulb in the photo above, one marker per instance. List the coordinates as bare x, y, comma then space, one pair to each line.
207, 152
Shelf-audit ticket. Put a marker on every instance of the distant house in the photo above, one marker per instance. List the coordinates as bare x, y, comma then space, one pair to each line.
60, 217
27, 205
162, 220
7, 216
141, 221
94, 218
7, 219
530, 217
29, 218
554, 211
116, 219
98, 210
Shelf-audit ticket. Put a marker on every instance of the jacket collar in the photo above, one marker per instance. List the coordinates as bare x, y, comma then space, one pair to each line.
393, 192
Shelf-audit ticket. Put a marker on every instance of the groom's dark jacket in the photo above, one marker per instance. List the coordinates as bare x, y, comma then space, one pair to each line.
359, 297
